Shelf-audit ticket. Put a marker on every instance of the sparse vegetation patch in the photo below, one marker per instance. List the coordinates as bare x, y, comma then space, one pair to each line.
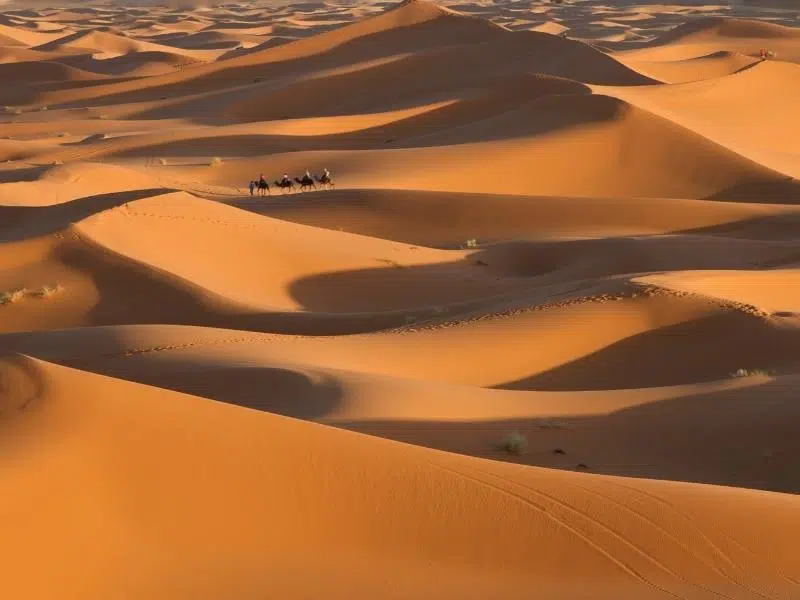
14, 296
48, 290
751, 373
514, 443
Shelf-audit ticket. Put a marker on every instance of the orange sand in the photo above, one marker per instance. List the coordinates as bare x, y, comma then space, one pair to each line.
579, 222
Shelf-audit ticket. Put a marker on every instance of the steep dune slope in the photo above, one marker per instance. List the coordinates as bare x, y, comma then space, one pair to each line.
408, 28
752, 112
103, 247
709, 34
104, 44
713, 65
341, 497
446, 74
26, 37
446, 219
623, 151
666, 428
718, 27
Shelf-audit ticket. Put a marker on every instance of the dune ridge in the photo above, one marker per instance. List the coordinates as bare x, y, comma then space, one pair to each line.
538, 338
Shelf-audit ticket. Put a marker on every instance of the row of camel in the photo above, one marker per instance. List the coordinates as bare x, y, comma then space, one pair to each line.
305, 183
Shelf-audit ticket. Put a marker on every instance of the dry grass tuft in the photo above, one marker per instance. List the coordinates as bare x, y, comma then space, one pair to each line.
48, 290
12, 296
514, 443
750, 373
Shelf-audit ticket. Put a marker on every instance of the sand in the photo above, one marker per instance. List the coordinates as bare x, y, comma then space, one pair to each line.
574, 223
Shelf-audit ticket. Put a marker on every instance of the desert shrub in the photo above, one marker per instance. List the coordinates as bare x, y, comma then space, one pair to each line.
750, 373
48, 290
514, 443
12, 296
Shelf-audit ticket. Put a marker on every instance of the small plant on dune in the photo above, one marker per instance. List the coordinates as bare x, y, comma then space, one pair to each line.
47, 291
514, 443
12, 297
216, 161
472, 243
162, 162
43, 109
750, 373
10, 110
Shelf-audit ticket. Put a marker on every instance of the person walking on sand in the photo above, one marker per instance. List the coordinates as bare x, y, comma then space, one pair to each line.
252, 187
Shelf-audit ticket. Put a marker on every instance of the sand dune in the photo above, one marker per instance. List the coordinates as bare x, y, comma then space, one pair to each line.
568, 226
102, 44
504, 504
765, 135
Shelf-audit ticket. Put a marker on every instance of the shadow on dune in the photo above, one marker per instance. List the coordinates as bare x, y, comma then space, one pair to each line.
704, 349
281, 87
308, 396
32, 221
303, 393
745, 437
446, 219
283, 64
784, 191
517, 266
23, 174
492, 64
21, 385
772, 228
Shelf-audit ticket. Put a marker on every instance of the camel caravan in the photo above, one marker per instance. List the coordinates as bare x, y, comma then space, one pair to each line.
260, 186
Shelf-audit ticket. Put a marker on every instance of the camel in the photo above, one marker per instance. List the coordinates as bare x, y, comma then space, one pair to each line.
325, 181
263, 187
306, 182
284, 185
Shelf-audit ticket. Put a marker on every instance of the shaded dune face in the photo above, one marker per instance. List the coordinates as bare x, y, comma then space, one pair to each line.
538, 338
